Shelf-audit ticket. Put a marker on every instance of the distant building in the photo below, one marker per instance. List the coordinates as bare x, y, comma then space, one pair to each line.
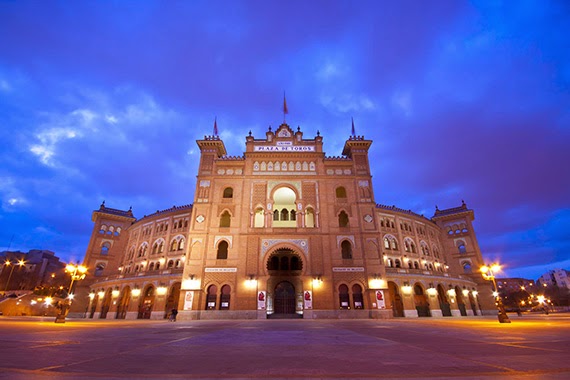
284, 231
40, 268
515, 284
556, 277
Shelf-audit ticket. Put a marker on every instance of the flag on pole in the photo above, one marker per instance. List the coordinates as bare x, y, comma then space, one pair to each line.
353, 130
215, 126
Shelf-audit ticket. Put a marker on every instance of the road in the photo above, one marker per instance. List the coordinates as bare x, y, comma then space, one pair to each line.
532, 347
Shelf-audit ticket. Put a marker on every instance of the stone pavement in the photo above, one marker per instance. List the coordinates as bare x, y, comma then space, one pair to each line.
532, 347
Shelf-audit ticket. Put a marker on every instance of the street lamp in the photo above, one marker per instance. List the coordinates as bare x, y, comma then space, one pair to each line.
8, 263
77, 273
488, 273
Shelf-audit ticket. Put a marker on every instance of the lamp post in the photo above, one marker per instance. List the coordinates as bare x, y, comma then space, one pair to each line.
488, 272
77, 273
8, 263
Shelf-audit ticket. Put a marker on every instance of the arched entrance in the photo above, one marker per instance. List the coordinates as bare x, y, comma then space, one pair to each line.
123, 305
443, 302
421, 301
460, 301
94, 303
284, 286
396, 298
473, 303
172, 299
284, 298
146, 304
106, 304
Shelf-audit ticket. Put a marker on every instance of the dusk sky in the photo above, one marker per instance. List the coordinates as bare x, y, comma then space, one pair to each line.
104, 100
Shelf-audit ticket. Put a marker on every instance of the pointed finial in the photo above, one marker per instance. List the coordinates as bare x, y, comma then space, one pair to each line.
318, 133
103, 204
270, 128
285, 109
353, 130
215, 126
250, 132
436, 208
298, 129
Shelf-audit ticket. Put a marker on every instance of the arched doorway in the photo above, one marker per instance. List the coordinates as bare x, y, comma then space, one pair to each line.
421, 301
106, 304
225, 297
443, 302
94, 305
396, 298
473, 303
460, 301
284, 298
172, 299
146, 304
123, 304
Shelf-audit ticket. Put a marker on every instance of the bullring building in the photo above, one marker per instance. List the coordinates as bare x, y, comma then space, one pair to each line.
283, 231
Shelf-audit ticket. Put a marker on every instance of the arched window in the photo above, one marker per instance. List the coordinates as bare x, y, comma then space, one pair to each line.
157, 266
295, 263
99, 268
413, 247
340, 192
342, 219
151, 266
397, 263
467, 267
103, 229
343, 297
293, 215
173, 245
170, 264
228, 192
211, 297
259, 218
386, 243
461, 246
416, 265
155, 248
181, 244
357, 298
222, 250
346, 249
394, 244
177, 264
225, 219
161, 247
284, 214
276, 215
225, 298
309, 218
105, 248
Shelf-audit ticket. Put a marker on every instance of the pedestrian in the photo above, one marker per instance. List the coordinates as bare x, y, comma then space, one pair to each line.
173, 313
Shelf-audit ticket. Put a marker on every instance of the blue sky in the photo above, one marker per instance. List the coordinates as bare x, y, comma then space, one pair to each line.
103, 100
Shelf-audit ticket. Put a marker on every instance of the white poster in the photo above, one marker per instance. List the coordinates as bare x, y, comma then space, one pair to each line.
380, 299
261, 299
188, 300
308, 298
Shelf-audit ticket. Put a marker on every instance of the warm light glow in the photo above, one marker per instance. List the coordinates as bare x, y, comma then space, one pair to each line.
190, 284
251, 283
474, 292
115, 293
451, 292
7, 262
161, 290
495, 294
70, 296
136, 292
465, 292
317, 282
92, 295
407, 289
161, 261
33, 302
21, 262
101, 294
48, 301
377, 283
143, 263
484, 269
431, 291
540, 299
495, 268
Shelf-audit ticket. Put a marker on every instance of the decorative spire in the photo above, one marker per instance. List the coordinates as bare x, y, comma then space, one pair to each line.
215, 126
285, 109
353, 130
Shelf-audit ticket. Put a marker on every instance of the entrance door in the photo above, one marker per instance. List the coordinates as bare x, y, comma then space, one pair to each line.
284, 298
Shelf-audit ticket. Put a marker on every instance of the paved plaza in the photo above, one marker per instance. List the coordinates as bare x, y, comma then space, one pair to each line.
532, 347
